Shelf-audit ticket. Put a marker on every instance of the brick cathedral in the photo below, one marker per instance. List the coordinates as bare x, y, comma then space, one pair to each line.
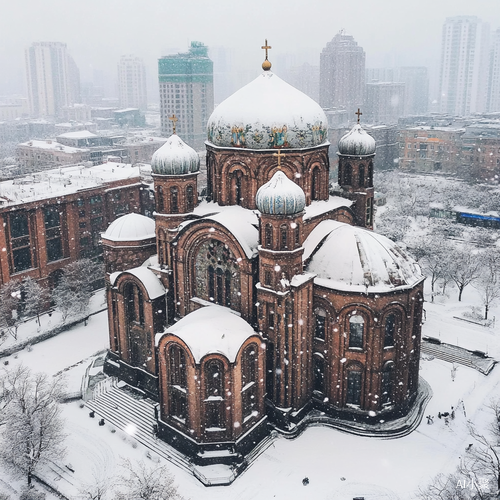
269, 301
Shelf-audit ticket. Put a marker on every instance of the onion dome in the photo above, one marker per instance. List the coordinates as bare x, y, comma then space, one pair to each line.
268, 113
351, 258
175, 157
357, 143
131, 227
280, 196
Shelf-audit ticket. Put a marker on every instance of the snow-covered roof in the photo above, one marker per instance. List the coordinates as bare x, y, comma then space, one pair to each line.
240, 222
131, 227
280, 196
175, 157
320, 207
211, 329
268, 113
357, 142
151, 283
52, 145
354, 259
79, 134
65, 180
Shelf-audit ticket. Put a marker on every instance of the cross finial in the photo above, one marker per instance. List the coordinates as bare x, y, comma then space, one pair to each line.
174, 120
266, 65
358, 113
280, 155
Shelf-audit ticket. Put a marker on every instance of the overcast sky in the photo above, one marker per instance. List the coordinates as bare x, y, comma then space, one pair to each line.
97, 32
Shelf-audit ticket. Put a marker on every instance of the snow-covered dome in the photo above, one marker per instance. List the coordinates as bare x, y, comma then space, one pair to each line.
131, 227
268, 113
280, 196
351, 258
175, 157
357, 142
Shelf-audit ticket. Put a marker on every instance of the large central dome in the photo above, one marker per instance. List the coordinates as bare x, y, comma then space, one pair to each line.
268, 113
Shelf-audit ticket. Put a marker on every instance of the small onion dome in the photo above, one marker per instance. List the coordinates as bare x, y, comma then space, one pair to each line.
280, 196
175, 157
357, 143
130, 227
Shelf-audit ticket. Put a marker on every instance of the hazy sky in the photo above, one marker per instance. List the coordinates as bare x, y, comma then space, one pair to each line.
97, 32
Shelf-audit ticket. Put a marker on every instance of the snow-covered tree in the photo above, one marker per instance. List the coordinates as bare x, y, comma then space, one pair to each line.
73, 293
10, 297
141, 482
488, 283
35, 298
32, 431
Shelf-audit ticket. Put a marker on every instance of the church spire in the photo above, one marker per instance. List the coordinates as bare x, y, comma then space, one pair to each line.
266, 65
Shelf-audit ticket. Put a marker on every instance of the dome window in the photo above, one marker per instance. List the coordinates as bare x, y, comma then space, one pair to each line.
356, 331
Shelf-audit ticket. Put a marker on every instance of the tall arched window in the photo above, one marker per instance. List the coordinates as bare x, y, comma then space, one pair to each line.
390, 330
316, 184
361, 176
283, 237
269, 236
356, 331
160, 204
174, 200
214, 395
297, 236
318, 372
189, 199
249, 380
386, 384
320, 323
354, 384
347, 170
370, 174
134, 303
177, 383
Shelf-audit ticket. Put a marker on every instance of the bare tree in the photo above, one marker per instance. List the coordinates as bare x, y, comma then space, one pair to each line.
463, 269
488, 283
10, 297
32, 430
147, 483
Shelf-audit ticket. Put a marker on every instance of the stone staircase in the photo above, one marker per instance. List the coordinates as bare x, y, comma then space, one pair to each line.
458, 355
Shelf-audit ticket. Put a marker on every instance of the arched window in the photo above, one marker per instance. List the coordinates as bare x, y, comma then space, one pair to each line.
390, 330
361, 176
356, 331
386, 383
369, 211
318, 372
269, 236
354, 384
177, 383
316, 184
214, 395
237, 187
249, 381
320, 324
189, 199
347, 174
134, 304
160, 204
174, 200
283, 237
370, 174
297, 236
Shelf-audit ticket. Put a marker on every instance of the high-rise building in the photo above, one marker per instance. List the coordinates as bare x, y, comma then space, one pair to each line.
52, 77
342, 74
416, 82
464, 66
494, 76
384, 103
186, 91
132, 83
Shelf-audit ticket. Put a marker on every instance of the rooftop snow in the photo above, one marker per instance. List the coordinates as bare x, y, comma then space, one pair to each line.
321, 207
65, 180
212, 329
131, 227
52, 145
80, 134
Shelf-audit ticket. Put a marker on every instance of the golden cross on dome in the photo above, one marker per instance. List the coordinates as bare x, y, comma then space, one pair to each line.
359, 114
174, 119
280, 155
266, 65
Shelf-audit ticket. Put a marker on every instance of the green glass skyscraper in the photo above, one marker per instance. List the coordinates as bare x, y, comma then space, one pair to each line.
187, 91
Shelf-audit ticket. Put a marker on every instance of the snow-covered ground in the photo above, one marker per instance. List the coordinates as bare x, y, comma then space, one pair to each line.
339, 466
